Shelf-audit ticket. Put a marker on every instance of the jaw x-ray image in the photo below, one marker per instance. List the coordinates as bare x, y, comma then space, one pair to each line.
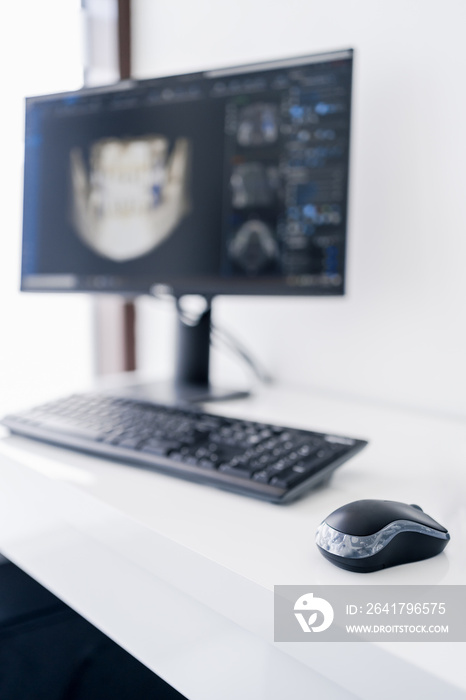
253, 248
133, 195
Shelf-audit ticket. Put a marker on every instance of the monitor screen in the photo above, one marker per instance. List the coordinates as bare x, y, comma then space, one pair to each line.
231, 181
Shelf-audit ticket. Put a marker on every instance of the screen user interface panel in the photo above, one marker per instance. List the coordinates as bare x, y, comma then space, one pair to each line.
231, 181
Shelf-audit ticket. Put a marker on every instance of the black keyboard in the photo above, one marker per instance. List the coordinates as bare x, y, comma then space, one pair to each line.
270, 462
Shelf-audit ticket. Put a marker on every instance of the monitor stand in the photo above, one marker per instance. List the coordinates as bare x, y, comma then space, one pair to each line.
191, 382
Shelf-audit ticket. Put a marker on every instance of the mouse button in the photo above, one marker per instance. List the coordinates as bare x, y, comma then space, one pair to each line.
361, 518
403, 511
412, 513
365, 517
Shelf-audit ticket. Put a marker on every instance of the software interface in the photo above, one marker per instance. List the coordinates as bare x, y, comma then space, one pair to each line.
231, 180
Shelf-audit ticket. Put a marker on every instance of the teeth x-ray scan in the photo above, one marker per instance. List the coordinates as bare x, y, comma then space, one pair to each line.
133, 195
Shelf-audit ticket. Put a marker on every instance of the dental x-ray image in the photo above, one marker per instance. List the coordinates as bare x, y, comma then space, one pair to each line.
253, 248
133, 195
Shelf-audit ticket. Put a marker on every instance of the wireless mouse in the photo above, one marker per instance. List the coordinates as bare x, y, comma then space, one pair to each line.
370, 535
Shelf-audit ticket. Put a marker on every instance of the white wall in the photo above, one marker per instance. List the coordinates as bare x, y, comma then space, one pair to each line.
399, 335
45, 340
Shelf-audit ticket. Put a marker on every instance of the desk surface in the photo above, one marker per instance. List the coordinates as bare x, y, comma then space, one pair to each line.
182, 575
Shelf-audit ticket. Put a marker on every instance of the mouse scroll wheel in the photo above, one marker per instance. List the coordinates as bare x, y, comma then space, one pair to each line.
413, 505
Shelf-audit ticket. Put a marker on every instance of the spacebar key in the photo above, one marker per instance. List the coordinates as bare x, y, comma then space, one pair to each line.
160, 447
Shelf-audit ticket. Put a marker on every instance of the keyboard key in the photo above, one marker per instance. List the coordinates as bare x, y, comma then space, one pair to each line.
242, 470
262, 476
207, 464
160, 447
130, 443
66, 426
303, 469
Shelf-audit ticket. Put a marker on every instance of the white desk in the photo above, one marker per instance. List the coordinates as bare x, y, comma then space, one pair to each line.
181, 575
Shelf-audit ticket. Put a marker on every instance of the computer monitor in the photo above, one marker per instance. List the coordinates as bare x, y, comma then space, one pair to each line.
229, 181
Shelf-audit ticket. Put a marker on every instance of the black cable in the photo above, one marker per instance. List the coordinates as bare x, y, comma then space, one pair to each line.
234, 345
221, 335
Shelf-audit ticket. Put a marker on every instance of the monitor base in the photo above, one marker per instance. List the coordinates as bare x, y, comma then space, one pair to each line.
176, 394
190, 384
